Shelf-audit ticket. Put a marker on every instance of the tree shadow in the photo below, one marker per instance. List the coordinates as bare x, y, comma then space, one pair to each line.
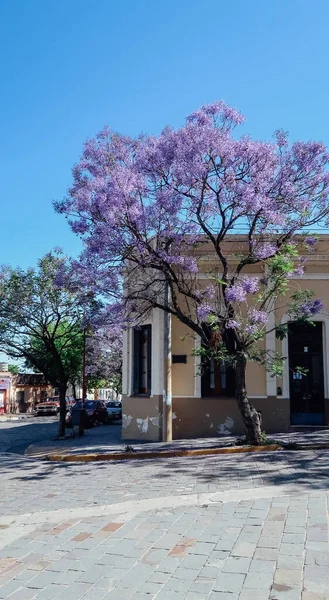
306, 471
25, 433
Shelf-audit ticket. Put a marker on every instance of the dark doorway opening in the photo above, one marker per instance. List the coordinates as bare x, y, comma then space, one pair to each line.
305, 344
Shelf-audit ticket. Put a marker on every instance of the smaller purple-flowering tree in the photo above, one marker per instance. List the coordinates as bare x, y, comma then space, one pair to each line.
154, 205
102, 323
104, 350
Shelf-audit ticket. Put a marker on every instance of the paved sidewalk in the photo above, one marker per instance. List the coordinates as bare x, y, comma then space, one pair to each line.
103, 440
210, 528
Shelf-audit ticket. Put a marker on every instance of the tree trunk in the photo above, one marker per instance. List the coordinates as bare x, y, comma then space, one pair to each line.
74, 390
249, 414
62, 408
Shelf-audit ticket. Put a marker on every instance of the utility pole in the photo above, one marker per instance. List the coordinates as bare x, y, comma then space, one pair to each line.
82, 411
167, 396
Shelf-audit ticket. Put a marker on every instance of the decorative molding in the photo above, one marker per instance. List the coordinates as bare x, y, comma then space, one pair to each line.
310, 276
125, 363
270, 345
197, 374
306, 276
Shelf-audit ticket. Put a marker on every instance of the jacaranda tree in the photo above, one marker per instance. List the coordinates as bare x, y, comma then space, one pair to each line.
147, 204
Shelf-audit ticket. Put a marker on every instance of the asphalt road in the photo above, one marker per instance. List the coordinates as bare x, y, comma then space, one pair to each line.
16, 436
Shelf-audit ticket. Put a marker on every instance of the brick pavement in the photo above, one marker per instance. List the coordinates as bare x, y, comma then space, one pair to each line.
244, 527
108, 439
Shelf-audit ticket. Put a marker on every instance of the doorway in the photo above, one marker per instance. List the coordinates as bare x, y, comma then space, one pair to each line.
2, 401
305, 343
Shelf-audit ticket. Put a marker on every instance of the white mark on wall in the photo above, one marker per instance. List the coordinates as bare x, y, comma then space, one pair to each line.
156, 421
126, 420
143, 424
226, 427
174, 416
207, 415
211, 425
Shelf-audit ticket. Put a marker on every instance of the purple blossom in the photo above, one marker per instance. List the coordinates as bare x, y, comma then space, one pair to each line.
143, 204
265, 250
251, 329
203, 311
250, 284
210, 291
232, 324
216, 109
311, 242
311, 307
281, 138
299, 270
257, 316
235, 293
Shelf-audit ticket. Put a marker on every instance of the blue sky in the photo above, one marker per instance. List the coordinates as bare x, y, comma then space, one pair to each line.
69, 67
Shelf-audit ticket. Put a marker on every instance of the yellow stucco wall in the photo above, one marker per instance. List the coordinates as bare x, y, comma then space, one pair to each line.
183, 375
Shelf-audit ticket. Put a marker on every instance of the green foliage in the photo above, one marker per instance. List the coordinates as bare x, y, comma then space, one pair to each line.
13, 369
68, 344
281, 331
218, 353
301, 371
41, 322
265, 441
289, 445
280, 265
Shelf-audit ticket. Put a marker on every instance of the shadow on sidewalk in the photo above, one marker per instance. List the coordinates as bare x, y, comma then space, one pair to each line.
309, 471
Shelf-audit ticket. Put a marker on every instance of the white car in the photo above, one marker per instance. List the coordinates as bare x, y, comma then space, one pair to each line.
114, 409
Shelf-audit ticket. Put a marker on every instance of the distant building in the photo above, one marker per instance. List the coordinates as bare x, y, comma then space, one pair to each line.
20, 393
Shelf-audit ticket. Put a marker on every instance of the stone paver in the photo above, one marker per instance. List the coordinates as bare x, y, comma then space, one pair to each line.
244, 527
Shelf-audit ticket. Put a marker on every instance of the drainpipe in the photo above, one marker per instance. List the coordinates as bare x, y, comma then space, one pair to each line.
167, 392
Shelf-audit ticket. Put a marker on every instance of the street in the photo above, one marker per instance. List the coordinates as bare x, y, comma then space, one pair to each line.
15, 436
239, 527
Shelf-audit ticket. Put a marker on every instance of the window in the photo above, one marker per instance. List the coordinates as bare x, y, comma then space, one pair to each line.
142, 360
217, 379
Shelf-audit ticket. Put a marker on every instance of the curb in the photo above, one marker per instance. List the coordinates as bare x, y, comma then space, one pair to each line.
159, 454
313, 447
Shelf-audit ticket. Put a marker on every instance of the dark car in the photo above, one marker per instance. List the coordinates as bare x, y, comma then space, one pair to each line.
95, 413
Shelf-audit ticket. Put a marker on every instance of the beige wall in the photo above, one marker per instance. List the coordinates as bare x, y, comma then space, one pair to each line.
198, 417
183, 375
32, 395
142, 418
210, 417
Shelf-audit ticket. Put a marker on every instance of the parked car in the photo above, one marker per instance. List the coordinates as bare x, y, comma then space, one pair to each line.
49, 407
114, 409
95, 413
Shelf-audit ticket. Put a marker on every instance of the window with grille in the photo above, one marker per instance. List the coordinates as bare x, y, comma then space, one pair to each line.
142, 360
